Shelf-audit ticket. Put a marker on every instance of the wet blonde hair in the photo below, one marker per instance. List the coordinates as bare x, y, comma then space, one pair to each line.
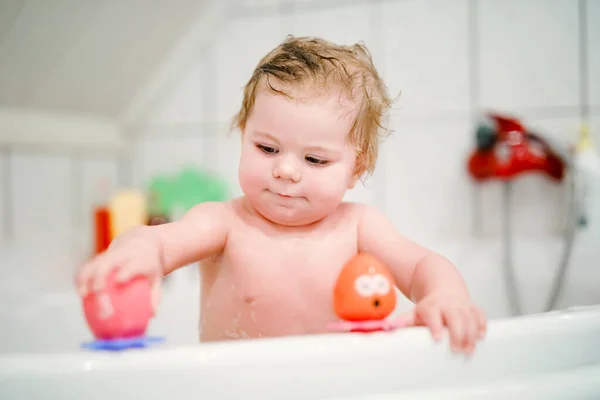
301, 62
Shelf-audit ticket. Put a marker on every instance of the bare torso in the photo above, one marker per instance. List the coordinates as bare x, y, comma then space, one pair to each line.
270, 282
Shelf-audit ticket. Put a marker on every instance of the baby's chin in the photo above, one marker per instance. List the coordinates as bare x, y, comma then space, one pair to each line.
289, 215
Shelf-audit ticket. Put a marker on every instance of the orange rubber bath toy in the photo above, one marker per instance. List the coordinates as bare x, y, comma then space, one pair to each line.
364, 296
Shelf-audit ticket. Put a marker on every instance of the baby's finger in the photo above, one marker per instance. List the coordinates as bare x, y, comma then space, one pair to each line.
481, 322
108, 264
432, 318
84, 275
125, 273
471, 330
454, 321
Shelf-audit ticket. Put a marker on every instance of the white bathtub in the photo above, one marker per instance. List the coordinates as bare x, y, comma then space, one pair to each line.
544, 356
554, 356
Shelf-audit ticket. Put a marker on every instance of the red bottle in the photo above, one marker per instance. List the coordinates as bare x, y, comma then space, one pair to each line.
101, 212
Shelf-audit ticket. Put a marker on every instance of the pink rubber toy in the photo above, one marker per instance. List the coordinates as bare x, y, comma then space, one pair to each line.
366, 326
120, 310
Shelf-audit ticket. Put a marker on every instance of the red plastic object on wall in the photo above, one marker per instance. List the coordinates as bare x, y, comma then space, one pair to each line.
505, 149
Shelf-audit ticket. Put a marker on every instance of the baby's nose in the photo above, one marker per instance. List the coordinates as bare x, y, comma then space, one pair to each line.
288, 168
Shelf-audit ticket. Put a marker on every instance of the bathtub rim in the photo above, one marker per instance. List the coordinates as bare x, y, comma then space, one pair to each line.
274, 351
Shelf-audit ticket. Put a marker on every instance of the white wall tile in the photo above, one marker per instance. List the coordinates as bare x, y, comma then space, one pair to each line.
228, 149
250, 4
317, 3
4, 191
595, 130
244, 41
593, 200
164, 155
182, 101
257, 3
215, 153
561, 130
544, 202
426, 55
93, 173
427, 191
593, 39
364, 192
341, 24
529, 53
41, 197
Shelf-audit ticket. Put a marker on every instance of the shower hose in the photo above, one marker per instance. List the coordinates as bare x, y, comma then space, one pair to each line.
573, 221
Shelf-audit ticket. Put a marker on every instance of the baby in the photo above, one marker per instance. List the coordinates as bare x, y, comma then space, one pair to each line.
310, 123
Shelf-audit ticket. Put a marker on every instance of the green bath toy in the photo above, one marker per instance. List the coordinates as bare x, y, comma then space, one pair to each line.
170, 194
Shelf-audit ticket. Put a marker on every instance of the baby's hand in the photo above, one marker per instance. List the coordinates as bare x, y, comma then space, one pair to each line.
466, 322
133, 253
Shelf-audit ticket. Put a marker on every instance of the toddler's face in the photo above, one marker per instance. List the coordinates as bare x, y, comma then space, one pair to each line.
296, 161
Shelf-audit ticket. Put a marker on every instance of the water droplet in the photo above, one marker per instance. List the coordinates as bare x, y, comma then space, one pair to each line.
231, 335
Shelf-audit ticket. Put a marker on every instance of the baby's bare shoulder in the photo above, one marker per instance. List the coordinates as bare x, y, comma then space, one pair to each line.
217, 211
350, 211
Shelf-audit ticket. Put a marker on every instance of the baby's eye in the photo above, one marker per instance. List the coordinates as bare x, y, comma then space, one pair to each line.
267, 149
316, 161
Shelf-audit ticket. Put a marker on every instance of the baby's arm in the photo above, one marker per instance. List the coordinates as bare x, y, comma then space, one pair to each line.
155, 251
426, 278
201, 233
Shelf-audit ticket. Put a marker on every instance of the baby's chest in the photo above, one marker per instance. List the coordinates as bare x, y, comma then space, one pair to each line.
290, 268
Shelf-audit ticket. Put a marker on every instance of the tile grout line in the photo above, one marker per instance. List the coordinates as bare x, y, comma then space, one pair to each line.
474, 80
377, 39
6, 185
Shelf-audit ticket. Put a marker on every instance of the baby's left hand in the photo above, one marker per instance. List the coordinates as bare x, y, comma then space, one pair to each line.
466, 322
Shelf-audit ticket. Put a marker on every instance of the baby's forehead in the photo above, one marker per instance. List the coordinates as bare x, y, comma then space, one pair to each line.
308, 117
334, 98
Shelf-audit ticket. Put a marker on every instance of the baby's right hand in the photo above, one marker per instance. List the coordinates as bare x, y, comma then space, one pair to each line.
135, 253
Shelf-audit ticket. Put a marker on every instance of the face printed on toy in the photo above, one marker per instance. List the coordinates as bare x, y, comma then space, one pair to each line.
364, 290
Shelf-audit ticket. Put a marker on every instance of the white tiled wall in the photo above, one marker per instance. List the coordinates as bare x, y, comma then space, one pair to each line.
529, 53
425, 55
447, 58
593, 44
3, 201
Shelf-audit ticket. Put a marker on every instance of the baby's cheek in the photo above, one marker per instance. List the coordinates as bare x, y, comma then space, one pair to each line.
331, 189
251, 175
